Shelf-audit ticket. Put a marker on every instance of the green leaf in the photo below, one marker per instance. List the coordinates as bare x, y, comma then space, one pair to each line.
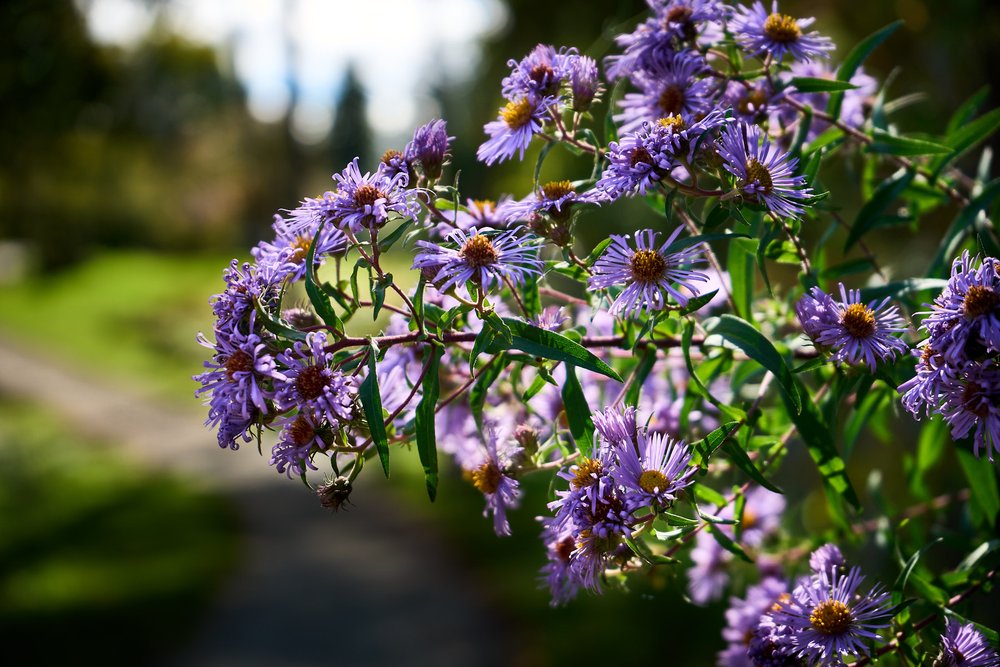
756, 346
598, 251
639, 376
378, 294
426, 436
874, 209
962, 227
542, 154
966, 137
854, 59
487, 376
276, 327
319, 300
830, 135
390, 240
549, 345
982, 479
707, 494
577, 412
806, 84
964, 113
704, 448
727, 543
903, 288
738, 457
978, 554
894, 144
494, 332
688, 241
697, 303
371, 401
904, 575
742, 273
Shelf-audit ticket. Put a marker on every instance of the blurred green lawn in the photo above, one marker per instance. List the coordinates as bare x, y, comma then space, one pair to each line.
101, 562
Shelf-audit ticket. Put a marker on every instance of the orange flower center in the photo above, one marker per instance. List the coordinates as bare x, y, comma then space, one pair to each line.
647, 266
859, 320
782, 28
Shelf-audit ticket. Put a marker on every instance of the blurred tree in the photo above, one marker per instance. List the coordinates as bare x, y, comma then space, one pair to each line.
350, 135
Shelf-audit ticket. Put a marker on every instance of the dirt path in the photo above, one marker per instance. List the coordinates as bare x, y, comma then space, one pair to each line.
367, 587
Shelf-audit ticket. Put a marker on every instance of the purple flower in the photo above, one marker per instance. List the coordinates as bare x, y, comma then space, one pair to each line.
672, 22
966, 315
761, 515
238, 379
558, 573
553, 199
394, 162
309, 384
827, 559
764, 171
245, 285
827, 616
669, 86
290, 249
708, 577
856, 332
519, 121
300, 437
616, 425
760, 32
540, 73
429, 147
753, 102
964, 646
584, 82
743, 618
486, 260
653, 469
970, 403
852, 108
646, 273
551, 318
367, 201
771, 643
491, 479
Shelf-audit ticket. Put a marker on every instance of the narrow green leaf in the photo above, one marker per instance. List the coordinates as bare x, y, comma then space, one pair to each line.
486, 378
727, 543
742, 272
542, 154
319, 300
855, 57
426, 436
276, 327
904, 575
390, 240
978, 554
549, 345
875, 208
577, 412
962, 227
704, 448
894, 144
967, 136
688, 241
806, 84
639, 376
371, 401
756, 346
982, 478
707, 494
738, 457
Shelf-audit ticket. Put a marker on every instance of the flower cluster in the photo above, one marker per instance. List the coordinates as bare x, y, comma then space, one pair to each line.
958, 367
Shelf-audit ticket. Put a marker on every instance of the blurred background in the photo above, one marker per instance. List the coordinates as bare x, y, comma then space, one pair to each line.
144, 143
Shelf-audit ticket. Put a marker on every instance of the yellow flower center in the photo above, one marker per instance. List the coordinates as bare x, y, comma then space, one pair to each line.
831, 617
782, 28
859, 320
517, 114
487, 478
647, 266
557, 189
483, 203
672, 100
672, 122
587, 472
238, 361
390, 155
478, 251
300, 247
653, 480
759, 173
980, 300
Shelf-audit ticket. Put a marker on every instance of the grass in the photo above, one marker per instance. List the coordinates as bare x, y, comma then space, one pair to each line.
101, 563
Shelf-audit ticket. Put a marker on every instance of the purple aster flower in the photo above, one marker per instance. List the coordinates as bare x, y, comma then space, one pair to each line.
752, 102
646, 273
743, 618
290, 249
827, 559
616, 425
553, 199
920, 394
771, 643
300, 437
429, 147
309, 384
482, 214
491, 479
964, 646
672, 22
762, 514
519, 121
584, 82
764, 171
970, 403
238, 380
669, 86
828, 617
486, 260
245, 284
965, 317
551, 318
760, 32
393, 162
708, 577
854, 331
367, 201
540, 73
558, 573
653, 469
